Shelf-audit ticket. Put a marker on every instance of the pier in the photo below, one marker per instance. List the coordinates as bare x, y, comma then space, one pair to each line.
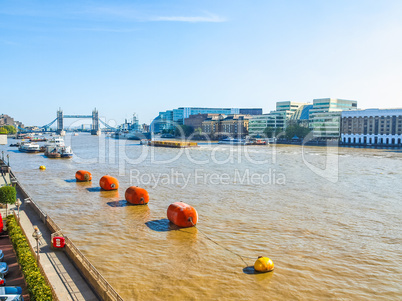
68, 272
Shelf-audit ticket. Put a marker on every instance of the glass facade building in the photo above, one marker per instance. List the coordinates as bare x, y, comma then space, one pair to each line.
167, 120
325, 116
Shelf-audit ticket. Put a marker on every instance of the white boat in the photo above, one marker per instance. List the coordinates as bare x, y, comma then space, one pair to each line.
59, 151
29, 147
66, 152
257, 142
55, 141
232, 141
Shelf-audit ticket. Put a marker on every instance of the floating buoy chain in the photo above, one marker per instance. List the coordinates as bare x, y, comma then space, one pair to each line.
223, 247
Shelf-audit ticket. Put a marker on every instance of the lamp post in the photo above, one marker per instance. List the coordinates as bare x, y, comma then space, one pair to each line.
18, 203
37, 235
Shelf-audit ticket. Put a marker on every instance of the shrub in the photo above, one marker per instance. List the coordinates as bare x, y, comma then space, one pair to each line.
8, 195
37, 287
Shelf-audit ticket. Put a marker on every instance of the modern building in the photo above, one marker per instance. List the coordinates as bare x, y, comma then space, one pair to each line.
257, 125
163, 122
289, 107
325, 117
278, 119
372, 127
169, 119
302, 113
275, 120
254, 111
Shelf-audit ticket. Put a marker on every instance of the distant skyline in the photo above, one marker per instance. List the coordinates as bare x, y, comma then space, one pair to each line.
142, 57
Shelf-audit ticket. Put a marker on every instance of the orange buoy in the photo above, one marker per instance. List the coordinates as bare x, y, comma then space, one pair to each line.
83, 176
108, 183
182, 215
137, 196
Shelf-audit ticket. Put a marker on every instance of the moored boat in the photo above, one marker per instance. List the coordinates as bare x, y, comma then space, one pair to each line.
29, 147
257, 142
232, 141
58, 151
55, 141
66, 152
37, 139
52, 154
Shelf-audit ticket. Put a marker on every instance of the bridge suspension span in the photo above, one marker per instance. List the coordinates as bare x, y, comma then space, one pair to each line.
95, 128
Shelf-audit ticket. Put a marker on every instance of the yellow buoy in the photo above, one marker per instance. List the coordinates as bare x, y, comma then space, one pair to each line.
263, 264
42, 167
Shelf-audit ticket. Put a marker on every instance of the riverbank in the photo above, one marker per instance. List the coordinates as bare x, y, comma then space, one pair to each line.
320, 212
68, 272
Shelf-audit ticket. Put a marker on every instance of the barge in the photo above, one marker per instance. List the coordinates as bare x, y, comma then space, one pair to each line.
174, 144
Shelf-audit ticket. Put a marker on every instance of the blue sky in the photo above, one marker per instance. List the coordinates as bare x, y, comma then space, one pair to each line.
149, 56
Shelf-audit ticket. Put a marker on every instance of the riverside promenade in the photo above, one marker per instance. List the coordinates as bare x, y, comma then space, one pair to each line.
64, 278
66, 281
68, 272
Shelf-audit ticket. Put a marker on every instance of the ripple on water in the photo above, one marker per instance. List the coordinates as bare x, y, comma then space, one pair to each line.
328, 240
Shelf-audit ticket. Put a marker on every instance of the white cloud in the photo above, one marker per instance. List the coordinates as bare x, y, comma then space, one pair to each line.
102, 29
210, 18
130, 14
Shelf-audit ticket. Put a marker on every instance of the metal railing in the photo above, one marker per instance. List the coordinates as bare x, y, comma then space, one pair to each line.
106, 287
27, 197
94, 272
39, 263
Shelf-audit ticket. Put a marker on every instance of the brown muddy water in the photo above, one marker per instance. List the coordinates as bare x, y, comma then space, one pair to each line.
329, 218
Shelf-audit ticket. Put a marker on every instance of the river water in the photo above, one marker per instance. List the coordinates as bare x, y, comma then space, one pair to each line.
329, 218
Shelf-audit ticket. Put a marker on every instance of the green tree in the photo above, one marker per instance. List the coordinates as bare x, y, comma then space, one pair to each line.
11, 129
296, 130
268, 131
8, 195
7, 129
278, 131
183, 129
166, 131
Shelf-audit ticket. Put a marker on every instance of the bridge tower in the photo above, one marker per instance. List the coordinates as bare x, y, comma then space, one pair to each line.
95, 123
60, 129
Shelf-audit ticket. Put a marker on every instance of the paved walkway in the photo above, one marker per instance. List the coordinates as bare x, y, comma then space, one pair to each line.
65, 279
14, 276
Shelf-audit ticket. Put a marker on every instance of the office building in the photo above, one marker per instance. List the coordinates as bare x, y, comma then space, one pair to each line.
278, 119
169, 119
325, 117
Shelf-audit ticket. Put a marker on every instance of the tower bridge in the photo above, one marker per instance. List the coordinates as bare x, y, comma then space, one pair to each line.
95, 127
95, 130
